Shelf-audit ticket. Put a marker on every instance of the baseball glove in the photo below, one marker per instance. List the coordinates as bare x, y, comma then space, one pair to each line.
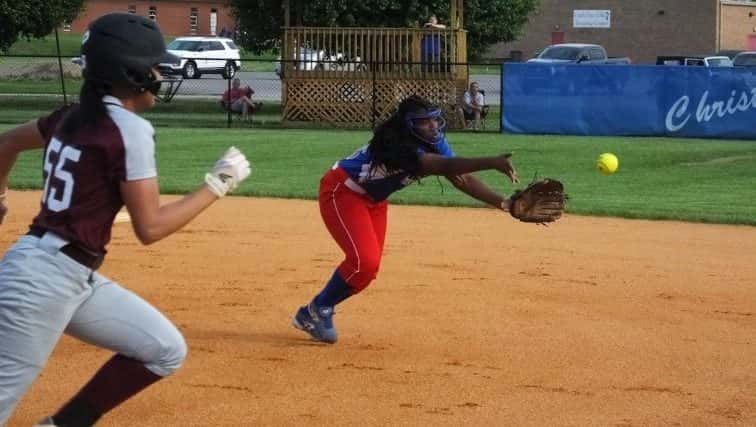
540, 202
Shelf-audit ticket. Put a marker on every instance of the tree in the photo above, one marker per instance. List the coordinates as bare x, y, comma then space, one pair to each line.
33, 18
487, 21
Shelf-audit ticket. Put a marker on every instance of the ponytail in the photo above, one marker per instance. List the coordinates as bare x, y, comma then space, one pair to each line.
91, 110
394, 148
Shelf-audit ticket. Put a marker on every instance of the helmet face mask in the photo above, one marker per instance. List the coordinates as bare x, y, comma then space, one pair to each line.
165, 88
426, 123
161, 87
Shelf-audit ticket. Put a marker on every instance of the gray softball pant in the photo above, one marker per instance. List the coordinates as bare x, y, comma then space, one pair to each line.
44, 293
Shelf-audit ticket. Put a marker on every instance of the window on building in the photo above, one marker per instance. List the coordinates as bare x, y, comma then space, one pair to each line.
66, 26
213, 21
193, 20
153, 13
132, 9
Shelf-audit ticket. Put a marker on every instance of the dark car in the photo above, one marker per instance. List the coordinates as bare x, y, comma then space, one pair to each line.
745, 59
730, 53
576, 53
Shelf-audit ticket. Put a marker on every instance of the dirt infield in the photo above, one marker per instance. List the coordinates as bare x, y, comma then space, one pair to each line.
474, 320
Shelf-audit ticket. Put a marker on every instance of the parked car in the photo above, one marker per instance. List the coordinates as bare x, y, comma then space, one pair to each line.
694, 60
203, 55
747, 59
311, 59
306, 59
717, 61
730, 53
578, 53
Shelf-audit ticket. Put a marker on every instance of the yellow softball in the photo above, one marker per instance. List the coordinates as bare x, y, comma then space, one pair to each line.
607, 163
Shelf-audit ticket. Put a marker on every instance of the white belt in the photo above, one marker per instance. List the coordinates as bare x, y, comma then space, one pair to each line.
350, 183
357, 188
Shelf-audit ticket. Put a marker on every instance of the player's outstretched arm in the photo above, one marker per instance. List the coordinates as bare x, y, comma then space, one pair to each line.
434, 164
13, 142
153, 222
475, 188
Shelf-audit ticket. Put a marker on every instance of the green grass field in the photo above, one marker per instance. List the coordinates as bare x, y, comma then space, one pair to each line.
70, 44
195, 112
658, 178
40, 86
181, 112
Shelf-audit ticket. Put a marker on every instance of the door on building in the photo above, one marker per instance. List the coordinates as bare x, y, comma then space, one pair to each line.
213, 21
557, 37
752, 42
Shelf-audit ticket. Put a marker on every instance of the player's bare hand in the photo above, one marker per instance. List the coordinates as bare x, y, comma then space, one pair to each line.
505, 166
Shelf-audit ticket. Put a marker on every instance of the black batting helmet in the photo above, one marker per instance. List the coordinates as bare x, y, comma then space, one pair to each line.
120, 49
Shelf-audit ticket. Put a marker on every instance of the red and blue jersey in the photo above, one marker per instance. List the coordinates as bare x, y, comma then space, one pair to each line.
376, 182
83, 172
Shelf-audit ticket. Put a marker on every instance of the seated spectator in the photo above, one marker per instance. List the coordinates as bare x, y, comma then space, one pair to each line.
239, 100
473, 108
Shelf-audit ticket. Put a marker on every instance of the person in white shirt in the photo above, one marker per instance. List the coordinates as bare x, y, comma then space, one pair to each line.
473, 106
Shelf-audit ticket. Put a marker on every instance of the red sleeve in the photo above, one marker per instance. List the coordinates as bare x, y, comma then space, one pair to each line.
48, 124
225, 96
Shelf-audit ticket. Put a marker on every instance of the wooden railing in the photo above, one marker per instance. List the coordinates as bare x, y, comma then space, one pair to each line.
375, 53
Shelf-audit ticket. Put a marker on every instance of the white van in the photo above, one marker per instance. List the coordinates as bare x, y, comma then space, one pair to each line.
203, 55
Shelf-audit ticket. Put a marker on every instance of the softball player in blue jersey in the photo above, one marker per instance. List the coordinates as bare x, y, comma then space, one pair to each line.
98, 156
352, 195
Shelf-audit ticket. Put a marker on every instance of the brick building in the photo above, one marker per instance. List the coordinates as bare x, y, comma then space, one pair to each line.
175, 17
640, 29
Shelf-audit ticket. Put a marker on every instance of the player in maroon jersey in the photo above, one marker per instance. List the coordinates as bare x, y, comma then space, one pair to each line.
98, 155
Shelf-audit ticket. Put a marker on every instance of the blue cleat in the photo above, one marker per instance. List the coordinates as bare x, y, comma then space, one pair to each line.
316, 321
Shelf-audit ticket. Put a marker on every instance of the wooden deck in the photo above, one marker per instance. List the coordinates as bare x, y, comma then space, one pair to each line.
353, 77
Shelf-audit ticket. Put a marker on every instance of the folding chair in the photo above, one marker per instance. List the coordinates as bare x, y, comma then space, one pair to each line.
470, 118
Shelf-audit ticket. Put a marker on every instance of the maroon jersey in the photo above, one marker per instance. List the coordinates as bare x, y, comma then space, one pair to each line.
82, 173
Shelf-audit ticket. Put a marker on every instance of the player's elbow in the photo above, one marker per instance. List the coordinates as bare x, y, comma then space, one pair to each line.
146, 239
458, 181
147, 235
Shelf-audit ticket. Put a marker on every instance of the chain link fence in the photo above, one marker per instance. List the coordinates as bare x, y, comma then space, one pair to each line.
31, 86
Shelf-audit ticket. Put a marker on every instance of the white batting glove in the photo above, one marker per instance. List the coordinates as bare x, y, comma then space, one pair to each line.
229, 171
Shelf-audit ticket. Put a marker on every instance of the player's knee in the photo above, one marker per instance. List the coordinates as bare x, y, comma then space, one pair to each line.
169, 357
367, 272
175, 354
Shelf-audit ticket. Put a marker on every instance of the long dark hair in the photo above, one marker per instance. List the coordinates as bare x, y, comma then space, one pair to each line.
394, 145
90, 112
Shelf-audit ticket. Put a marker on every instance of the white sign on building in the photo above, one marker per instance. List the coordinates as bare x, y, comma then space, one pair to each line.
592, 18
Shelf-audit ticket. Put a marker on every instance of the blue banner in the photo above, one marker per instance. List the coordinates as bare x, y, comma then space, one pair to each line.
581, 99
